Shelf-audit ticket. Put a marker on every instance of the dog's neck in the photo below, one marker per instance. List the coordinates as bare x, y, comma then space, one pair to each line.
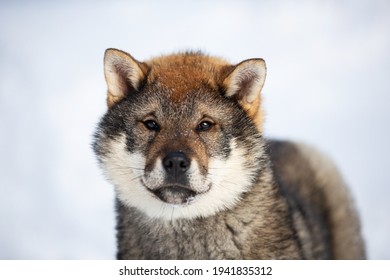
224, 235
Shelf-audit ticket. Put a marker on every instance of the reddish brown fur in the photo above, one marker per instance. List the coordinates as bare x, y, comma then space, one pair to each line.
181, 74
178, 75
184, 73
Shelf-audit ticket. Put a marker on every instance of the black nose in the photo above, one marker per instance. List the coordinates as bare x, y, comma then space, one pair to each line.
176, 163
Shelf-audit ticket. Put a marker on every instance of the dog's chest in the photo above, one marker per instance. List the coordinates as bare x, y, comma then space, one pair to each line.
200, 239
195, 241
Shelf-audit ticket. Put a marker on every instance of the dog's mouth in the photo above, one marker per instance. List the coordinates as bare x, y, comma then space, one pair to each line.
175, 194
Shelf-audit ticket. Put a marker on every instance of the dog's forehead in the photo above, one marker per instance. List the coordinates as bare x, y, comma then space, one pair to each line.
180, 76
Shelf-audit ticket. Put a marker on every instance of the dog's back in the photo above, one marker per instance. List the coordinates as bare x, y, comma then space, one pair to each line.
324, 216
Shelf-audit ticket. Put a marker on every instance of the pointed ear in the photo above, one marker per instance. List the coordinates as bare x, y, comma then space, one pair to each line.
123, 74
246, 80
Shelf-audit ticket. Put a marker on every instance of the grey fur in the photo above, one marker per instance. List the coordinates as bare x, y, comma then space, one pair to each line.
294, 204
291, 217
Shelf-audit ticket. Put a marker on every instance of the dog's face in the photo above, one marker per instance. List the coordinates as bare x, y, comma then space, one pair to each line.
182, 136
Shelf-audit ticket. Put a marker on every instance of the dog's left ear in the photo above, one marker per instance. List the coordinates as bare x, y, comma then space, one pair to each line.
244, 82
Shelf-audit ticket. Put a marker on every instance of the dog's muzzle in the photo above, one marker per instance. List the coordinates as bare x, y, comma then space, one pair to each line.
176, 189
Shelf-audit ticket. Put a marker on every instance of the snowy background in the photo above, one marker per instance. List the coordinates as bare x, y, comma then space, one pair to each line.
328, 85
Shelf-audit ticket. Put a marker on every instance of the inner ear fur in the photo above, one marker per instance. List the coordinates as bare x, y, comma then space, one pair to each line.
244, 82
124, 75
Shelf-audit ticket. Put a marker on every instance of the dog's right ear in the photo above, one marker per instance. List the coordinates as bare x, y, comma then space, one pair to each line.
124, 75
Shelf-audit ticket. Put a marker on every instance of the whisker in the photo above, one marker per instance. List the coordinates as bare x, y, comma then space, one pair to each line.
227, 185
124, 169
219, 168
124, 172
173, 209
162, 209
214, 174
127, 174
136, 168
136, 177
129, 168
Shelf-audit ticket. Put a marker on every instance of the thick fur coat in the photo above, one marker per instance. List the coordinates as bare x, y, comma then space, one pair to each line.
182, 142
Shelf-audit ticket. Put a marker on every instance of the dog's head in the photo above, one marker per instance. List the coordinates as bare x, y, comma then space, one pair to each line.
182, 134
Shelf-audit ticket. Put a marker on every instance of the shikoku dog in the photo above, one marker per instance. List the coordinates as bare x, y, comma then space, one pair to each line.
182, 142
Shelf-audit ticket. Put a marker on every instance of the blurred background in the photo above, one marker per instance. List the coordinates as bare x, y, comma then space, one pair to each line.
327, 85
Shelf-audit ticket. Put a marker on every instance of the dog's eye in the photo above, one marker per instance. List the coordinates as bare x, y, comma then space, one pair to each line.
152, 125
204, 126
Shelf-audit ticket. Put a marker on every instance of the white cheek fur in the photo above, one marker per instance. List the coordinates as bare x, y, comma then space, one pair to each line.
228, 179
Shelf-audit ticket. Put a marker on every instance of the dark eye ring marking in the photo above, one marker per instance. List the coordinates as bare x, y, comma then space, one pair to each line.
204, 126
152, 125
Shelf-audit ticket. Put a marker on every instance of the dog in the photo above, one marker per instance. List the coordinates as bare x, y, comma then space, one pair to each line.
182, 143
